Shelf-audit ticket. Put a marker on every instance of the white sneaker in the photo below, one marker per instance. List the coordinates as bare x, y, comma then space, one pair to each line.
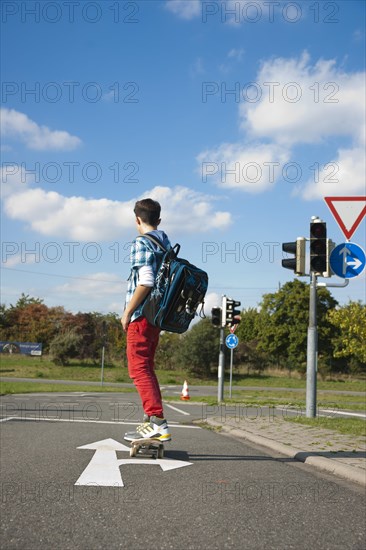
145, 422
157, 428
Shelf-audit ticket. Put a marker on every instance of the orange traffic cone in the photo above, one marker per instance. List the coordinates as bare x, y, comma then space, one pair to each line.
185, 394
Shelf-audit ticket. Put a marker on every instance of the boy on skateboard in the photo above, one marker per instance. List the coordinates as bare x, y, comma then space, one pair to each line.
142, 337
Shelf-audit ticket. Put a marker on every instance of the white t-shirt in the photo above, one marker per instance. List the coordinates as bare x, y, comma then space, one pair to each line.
146, 276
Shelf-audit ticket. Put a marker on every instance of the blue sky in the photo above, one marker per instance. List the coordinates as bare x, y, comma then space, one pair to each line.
239, 117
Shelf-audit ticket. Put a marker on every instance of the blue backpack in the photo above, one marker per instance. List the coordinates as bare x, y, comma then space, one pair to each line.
179, 289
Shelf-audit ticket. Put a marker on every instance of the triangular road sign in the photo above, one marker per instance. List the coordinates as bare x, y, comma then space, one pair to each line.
348, 212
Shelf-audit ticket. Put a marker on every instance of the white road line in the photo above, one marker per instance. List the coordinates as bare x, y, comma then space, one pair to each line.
326, 412
7, 418
71, 421
343, 413
175, 409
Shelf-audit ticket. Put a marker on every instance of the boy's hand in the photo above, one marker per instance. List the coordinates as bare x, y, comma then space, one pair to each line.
138, 296
125, 320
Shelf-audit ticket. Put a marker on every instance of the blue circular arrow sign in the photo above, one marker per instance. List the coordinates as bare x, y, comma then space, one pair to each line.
231, 341
348, 260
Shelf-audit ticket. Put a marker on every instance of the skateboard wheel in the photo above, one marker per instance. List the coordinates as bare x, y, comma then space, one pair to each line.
161, 452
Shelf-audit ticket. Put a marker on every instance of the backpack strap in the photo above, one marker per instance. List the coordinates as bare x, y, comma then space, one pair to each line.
158, 243
153, 240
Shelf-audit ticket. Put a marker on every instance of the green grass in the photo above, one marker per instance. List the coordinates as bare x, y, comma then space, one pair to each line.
274, 399
297, 399
43, 368
348, 426
29, 387
289, 382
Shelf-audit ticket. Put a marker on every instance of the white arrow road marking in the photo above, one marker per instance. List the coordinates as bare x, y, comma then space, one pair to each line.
164, 463
104, 467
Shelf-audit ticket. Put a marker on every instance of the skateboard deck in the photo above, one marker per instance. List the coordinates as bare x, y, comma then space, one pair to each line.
147, 446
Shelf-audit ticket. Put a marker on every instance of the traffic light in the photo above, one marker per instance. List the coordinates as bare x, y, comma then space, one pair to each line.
232, 314
297, 264
216, 316
318, 246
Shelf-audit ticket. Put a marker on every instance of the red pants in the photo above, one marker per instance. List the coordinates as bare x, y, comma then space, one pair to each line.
142, 340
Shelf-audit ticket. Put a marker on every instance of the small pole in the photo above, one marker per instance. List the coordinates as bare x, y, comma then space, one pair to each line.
312, 351
102, 366
104, 335
221, 369
231, 371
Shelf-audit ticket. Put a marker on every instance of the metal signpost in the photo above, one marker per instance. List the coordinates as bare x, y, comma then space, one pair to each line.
221, 370
231, 342
312, 351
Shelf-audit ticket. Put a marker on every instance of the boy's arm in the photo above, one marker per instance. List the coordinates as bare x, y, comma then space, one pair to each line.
138, 297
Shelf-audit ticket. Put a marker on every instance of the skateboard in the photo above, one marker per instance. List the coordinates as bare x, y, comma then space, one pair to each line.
147, 446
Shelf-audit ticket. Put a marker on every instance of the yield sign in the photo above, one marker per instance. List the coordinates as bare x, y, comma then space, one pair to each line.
348, 212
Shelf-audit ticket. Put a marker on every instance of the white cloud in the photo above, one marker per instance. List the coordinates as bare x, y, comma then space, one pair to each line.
17, 259
13, 178
188, 211
197, 68
248, 167
39, 138
52, 214
185, 9
212, 299
344, 175
232, 12
293, 102
97, 285
304, 103
236, 54
358, 35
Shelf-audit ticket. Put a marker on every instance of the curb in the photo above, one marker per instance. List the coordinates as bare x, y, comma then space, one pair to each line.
320, 462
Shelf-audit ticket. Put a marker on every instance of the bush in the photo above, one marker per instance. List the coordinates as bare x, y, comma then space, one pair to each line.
64, 347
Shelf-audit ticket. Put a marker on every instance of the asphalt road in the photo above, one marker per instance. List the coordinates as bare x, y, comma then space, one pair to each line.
230, 495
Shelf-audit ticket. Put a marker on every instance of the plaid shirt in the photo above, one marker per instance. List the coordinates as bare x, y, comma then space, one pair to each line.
143, 252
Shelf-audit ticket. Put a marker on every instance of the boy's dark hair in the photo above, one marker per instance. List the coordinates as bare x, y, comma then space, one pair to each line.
148, 210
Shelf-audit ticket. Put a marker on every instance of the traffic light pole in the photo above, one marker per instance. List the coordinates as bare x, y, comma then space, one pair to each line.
221, 369
312, 351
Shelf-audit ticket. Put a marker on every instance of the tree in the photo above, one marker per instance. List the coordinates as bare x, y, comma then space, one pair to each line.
167, 352
199, 348
247, 352
65, 346
247, 330
350, 339
25, 300
283, 322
